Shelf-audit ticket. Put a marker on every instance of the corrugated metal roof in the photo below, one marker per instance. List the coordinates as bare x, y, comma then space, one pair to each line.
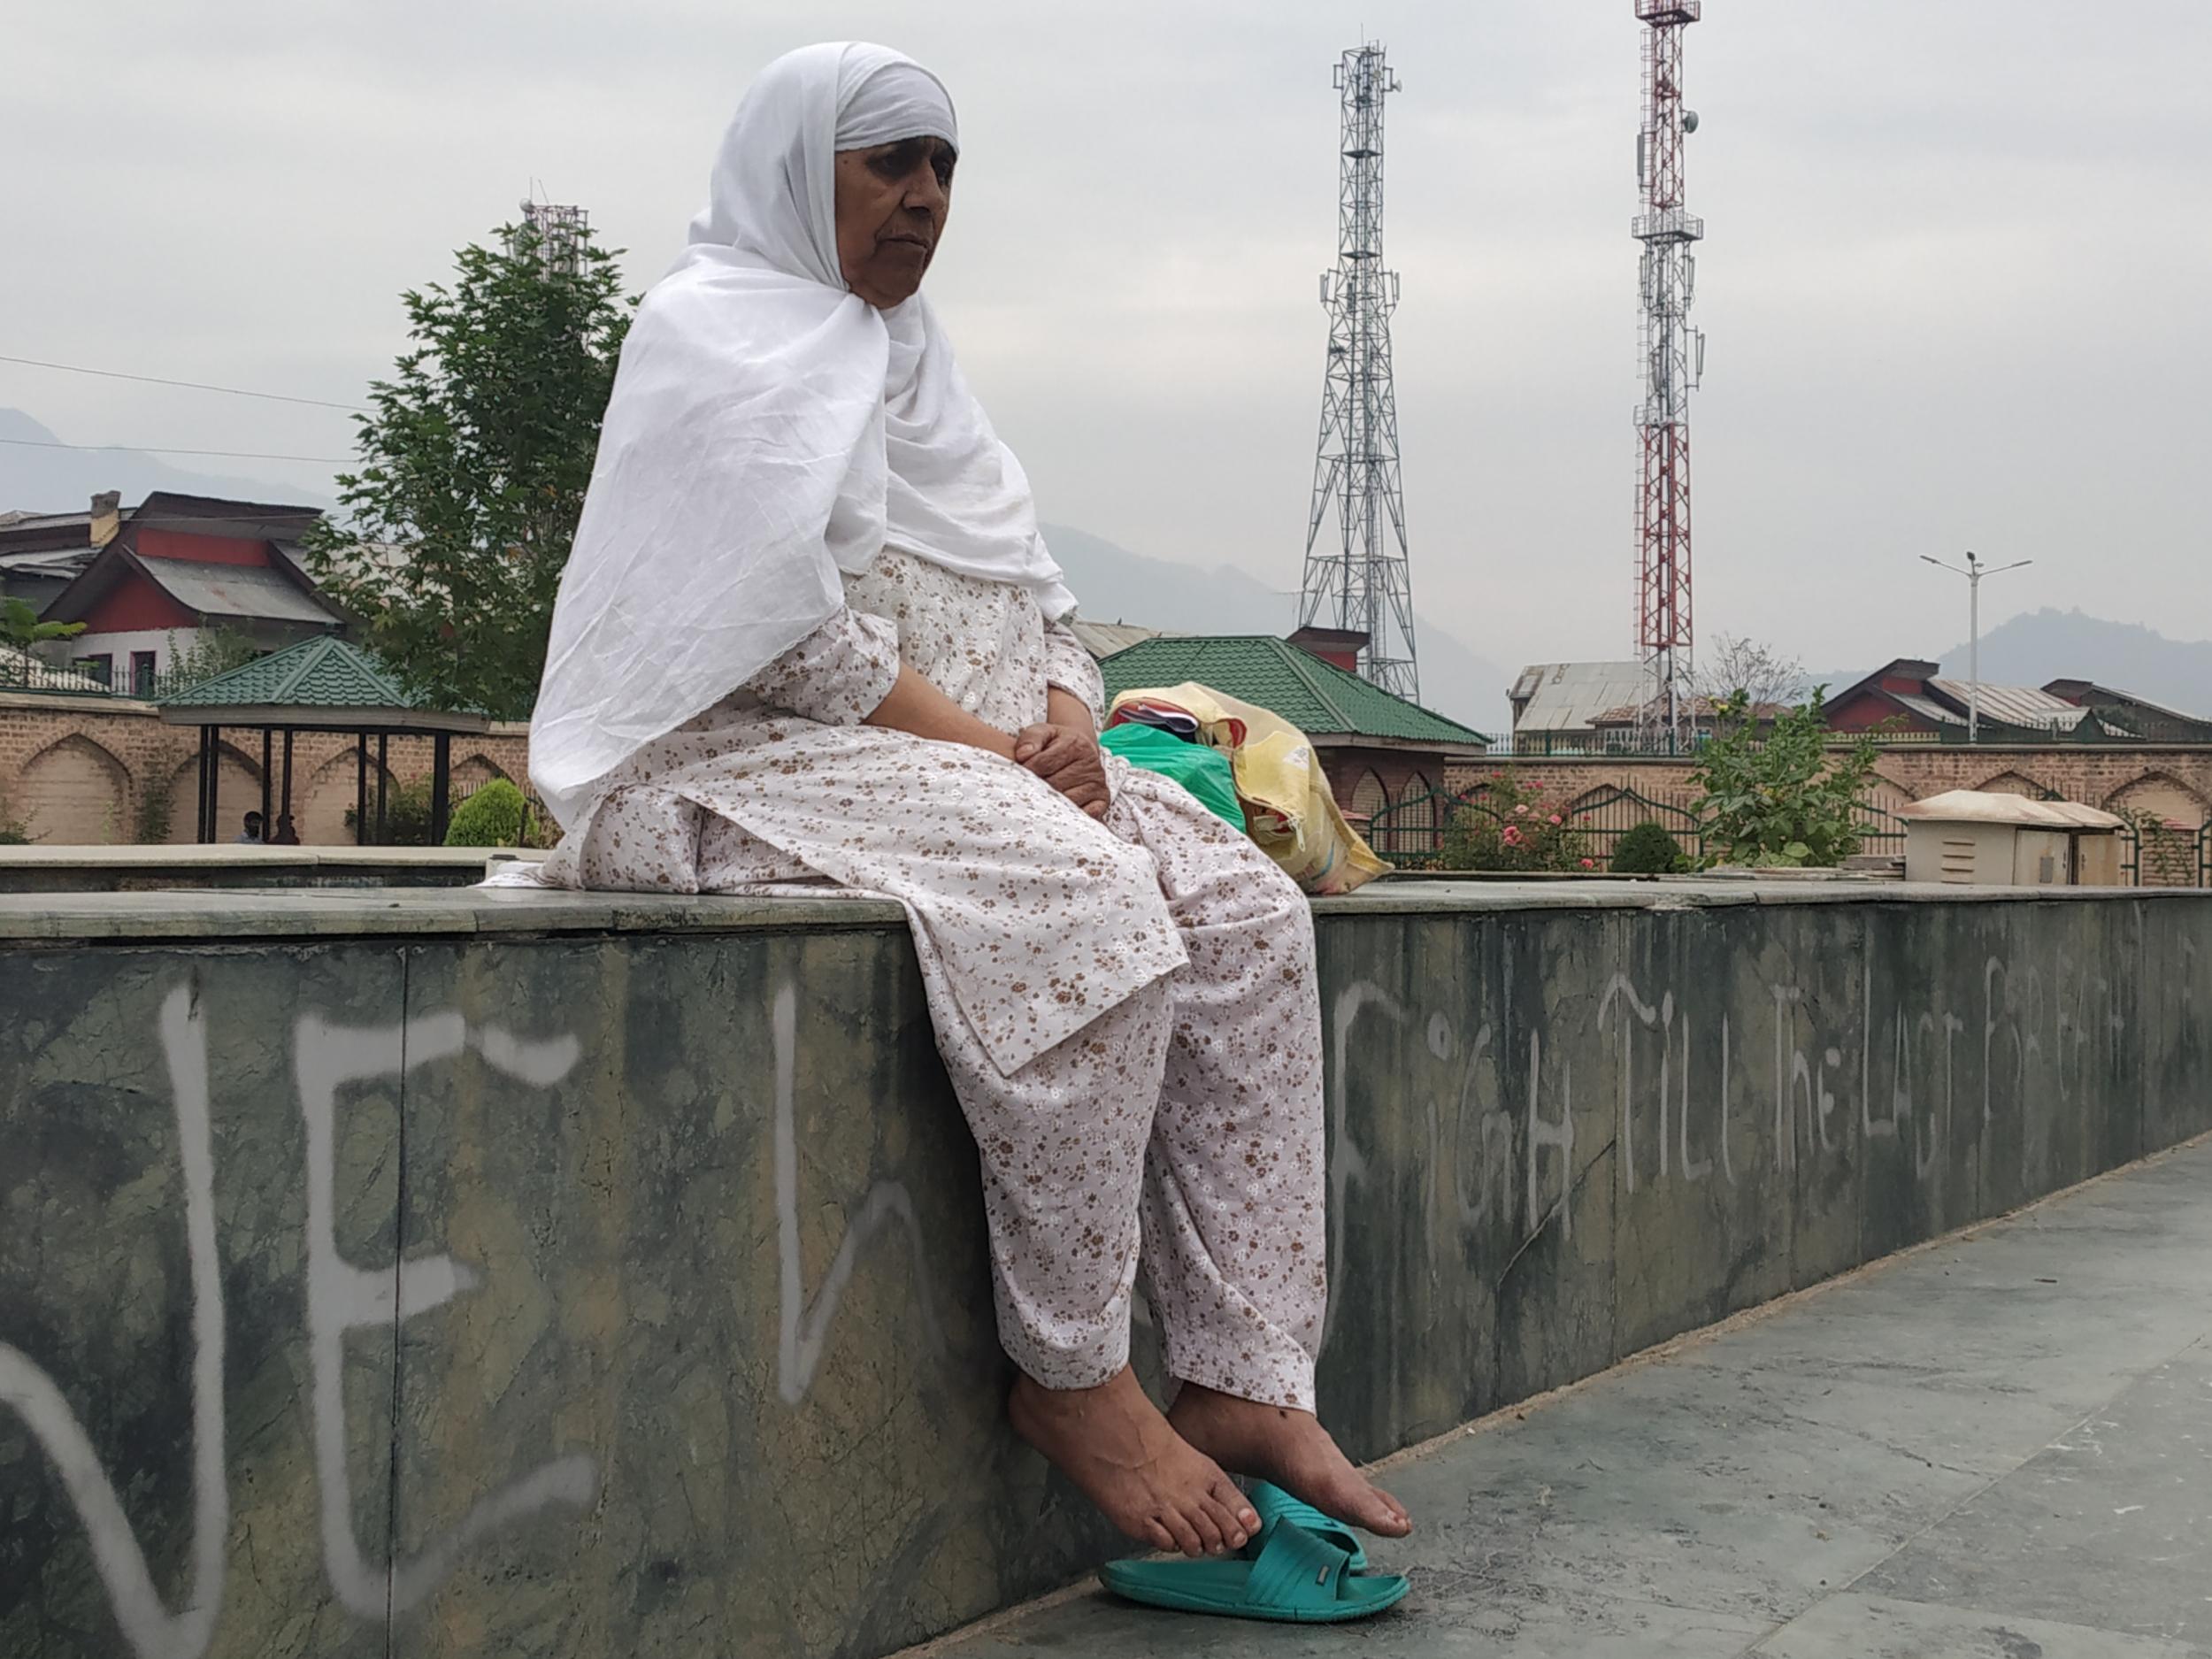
1975, 806
2013, 705
48, 561
236, 590
1573, 697
1318, 697
2003, 705
20, 519
1103, 639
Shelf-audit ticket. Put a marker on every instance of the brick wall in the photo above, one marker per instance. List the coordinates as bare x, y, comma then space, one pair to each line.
2173, 782
83, 772
90, 772
1364, 779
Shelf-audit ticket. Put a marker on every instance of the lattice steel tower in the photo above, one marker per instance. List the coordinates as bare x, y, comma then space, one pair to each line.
1361, 581
1674, 357
560, 229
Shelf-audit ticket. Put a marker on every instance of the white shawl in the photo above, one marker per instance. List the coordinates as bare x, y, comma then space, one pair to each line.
769, 430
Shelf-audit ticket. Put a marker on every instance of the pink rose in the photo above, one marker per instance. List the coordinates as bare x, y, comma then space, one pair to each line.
1521, 811
1589, 863
1558, 819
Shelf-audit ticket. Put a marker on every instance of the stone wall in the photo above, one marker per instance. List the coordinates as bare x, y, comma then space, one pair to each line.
76, 771
543, 1275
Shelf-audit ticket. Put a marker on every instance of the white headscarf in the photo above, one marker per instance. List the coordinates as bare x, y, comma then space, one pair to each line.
769, 430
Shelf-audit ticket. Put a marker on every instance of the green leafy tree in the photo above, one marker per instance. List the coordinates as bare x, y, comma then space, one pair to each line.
19, 625
476, 454
209, 652
1780, 798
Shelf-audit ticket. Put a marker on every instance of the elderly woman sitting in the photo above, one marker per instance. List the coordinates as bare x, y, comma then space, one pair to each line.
810, 634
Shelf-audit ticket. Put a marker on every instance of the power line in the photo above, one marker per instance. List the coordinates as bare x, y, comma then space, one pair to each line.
194, 386
150, 449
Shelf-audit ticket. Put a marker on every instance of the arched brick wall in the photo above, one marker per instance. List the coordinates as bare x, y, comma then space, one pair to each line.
2162, 796
2011, 781
473, 771
237, 792
1369, 795
74, 793
147, 755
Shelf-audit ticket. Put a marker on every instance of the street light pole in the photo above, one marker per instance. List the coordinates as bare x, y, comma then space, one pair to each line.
1973, 570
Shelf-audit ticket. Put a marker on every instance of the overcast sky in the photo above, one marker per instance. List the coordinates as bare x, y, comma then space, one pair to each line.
1956, 279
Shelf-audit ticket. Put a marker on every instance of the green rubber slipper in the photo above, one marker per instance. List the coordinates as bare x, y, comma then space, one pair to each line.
1274, 1504
1295, 1579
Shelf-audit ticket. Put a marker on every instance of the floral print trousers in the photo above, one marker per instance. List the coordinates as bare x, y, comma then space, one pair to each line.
1177, 1135
1127, 1010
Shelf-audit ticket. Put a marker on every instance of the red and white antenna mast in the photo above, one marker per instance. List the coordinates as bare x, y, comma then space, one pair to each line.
1674, 359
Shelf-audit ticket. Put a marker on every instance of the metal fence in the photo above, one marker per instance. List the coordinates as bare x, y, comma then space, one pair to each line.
93, 677
1411, 832
19, 671
1625, 743
2155, 855
1603, 818
1880, 830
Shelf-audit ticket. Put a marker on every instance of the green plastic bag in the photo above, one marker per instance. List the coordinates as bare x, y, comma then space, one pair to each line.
1203, 772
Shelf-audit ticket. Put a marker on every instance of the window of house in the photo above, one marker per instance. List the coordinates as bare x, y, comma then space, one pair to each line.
141, 673
102, 667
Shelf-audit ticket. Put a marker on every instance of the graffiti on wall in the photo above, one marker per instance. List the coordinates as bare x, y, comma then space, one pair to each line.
802, 1327
1693, 1100
344, 1296
1883, 1068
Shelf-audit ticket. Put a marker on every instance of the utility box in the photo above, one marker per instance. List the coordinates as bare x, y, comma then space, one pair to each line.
1965, 837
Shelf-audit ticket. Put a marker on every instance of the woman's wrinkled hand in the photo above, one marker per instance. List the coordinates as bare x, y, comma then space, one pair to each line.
1070, 759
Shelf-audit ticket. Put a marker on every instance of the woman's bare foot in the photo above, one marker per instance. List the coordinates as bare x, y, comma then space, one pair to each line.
1290, 1448
1112, 1442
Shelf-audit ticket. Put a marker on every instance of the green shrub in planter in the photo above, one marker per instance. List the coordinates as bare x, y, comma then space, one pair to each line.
490, 818
1648, 850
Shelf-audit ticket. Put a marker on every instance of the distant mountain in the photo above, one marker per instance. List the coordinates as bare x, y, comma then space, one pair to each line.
1116, 585
36, 479
2040, 646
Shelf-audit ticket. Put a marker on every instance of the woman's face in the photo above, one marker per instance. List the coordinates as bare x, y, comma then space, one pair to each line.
892, 200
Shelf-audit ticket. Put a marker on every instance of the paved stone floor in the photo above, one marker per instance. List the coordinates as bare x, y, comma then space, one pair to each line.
1998, 1448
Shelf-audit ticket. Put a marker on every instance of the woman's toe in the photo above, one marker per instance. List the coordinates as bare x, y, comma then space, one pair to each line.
1185, 1534
1238, 1507
1224, 1521
1204, 1522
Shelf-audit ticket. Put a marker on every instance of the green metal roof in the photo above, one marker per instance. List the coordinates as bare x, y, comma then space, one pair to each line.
325, 673
1318, 697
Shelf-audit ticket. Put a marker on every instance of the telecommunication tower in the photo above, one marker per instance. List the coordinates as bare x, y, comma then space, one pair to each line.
1674, 359
559, 230
1361, 581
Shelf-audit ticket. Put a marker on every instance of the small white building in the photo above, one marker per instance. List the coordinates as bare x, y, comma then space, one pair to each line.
1965, 837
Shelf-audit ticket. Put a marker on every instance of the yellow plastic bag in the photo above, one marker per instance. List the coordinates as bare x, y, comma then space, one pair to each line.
1288, 808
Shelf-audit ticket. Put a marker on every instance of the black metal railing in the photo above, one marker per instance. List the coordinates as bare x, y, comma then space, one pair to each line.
1412, 832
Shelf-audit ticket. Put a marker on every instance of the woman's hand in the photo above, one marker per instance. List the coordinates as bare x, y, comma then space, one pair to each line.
1068, 758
